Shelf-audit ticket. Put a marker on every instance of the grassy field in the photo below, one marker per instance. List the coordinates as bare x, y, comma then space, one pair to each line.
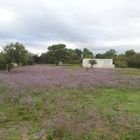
129, 71
70, 113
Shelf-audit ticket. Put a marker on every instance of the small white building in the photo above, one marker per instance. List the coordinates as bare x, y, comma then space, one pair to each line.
101, 63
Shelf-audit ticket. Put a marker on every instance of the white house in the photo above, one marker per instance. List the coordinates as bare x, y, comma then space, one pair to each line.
101, 63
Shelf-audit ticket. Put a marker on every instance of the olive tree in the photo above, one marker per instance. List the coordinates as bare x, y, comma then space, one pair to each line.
15, 53
92, 62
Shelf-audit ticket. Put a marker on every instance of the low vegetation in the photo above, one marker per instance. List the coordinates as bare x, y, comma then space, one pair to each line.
75, 77
72, 114
129, 72
34, 107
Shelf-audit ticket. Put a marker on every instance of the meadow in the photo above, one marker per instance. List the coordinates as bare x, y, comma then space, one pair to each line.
45, 102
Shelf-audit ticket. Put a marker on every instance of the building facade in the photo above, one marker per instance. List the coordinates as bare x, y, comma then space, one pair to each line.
101, 63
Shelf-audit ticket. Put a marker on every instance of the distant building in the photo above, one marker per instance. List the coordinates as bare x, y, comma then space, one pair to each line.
101, 63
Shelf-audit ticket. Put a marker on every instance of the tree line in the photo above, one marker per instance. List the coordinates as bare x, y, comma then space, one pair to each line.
16, 54
128, 59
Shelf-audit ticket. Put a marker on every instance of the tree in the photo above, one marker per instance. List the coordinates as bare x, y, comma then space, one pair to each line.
15, 53
9, 52
2, 62
134, 61
78, 52
71, 55
29, 59
110, 54
44, 58
92, 62
20, 53
87, 53
120, 61
130, 53
57, 53
100, 55
36, 58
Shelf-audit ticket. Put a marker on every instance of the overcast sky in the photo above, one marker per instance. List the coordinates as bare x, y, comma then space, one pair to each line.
96, 24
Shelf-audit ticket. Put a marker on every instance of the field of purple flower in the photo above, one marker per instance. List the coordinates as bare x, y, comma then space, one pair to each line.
64, 103
54, 76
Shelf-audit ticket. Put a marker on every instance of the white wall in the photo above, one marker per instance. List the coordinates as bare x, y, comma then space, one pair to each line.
101, 63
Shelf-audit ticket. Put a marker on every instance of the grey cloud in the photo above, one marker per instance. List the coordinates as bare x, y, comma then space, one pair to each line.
96, 24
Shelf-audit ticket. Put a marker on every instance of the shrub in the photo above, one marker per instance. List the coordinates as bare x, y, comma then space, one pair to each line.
49, 137
92, 62
3, 66
121, 64
2, 62
134, 61
30, 60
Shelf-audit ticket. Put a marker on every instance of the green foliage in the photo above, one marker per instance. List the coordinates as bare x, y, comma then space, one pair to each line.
129, 59
36, 58
50, 137
56, 62
2, 62
100, 55
16, 53
121, 64
29, 59
73, 57
78, 52
76, 61
92, 62
130, 53
110, 54
20, 53
87, 53
57, 52
44, 58
9, 53
120, 61
134, 61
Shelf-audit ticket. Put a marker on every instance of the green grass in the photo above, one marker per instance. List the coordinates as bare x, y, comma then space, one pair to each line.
70, 114
67, 66
129, 71
73, 66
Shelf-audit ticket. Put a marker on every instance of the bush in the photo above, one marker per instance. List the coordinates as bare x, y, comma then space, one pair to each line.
3, 65
134, 61
92, 62
120, 64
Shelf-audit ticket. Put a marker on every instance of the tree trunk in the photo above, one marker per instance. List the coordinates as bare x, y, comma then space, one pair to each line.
9, 67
